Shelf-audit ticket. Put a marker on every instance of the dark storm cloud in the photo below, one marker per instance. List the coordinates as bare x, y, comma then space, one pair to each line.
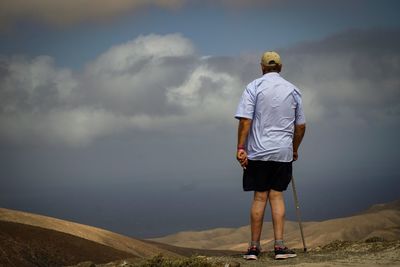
63, 13
352, 72
246, 67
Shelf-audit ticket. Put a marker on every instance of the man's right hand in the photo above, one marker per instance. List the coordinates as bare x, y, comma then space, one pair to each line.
299, 131
241, 156
295, 155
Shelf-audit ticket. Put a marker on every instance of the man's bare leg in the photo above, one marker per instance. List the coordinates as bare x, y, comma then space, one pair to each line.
257, 214
256, 220
277, 204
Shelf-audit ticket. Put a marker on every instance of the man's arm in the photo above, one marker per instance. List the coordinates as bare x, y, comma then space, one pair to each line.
243, 132
298, 135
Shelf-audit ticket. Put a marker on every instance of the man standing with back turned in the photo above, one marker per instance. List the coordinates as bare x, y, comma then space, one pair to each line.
271, 128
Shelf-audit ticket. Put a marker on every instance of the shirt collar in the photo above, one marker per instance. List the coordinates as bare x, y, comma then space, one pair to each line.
272, 74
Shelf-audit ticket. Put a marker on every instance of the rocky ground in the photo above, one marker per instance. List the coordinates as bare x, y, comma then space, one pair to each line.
373, 252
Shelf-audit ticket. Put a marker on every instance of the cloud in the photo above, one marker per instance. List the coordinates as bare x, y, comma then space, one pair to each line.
73, 12
34, 85
159, 84
63, 13
352, 73
128, 77
150, 83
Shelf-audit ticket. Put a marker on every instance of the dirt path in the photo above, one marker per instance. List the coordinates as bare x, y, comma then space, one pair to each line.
376, 253
373, 253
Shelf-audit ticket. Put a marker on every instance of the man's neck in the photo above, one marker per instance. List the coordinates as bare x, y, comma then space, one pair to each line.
270, 72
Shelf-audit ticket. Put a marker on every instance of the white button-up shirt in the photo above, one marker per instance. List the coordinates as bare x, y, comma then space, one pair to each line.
275, 107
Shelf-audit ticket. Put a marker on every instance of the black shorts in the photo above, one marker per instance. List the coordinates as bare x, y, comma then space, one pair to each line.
266, 175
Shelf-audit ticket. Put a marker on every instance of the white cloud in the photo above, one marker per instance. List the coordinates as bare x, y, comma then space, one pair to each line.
205, 90
154, 48
128, 77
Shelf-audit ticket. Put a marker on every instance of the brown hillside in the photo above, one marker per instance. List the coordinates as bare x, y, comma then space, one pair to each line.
25, 245
130, 245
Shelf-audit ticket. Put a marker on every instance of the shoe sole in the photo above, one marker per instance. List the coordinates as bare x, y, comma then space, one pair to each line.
250, 257
284, 256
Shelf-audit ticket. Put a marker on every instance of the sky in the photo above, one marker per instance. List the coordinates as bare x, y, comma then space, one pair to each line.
119, 114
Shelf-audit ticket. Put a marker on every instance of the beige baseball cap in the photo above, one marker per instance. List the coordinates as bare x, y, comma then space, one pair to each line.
270, 58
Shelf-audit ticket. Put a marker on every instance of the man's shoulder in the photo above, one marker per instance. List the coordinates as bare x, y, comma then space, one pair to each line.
255, 82
253, 85
290, 85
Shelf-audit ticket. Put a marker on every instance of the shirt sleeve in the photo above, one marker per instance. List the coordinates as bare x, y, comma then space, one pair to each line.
299, 112
247, 103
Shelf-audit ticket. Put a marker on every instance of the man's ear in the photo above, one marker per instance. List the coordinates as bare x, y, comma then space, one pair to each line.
262, 68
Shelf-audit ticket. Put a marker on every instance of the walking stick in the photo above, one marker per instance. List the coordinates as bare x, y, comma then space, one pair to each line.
296, 202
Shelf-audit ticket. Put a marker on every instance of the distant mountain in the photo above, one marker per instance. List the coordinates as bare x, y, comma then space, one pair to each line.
382, 220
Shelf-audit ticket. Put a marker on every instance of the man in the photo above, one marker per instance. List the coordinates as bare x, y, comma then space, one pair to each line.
271, 128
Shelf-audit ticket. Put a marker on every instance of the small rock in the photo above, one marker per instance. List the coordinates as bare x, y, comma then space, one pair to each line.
375, 239
232, 264
86, 264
